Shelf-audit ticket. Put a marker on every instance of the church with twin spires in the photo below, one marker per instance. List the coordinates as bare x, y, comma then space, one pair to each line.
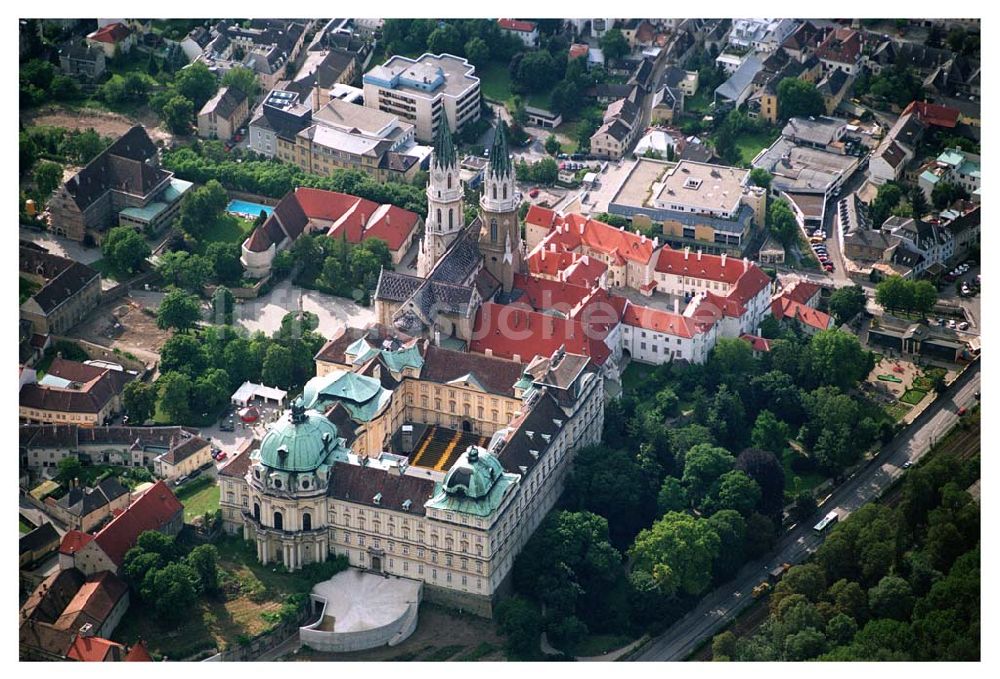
459, 265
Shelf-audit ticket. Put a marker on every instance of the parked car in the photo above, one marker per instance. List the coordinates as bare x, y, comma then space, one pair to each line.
222, 456
907, 464
964, 325
180, 480
962, 411
952, 324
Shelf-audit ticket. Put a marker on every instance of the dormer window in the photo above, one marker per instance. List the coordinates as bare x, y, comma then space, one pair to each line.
377, 499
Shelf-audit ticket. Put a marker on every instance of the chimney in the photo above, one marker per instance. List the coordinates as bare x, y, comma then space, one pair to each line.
746, 264
552, 247
723, 260
543, 254
699, 255
437, 338
642, 238
582, 225
656, 242
687, 251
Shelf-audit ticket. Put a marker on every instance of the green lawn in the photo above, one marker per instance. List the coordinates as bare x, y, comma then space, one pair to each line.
26, 289
897, 411
749, 144
227, 229
699, 103
913, 397
795, 482
199, 497
494, 81
24, 526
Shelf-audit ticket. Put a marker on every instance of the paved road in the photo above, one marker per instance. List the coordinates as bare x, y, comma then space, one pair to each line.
719, 607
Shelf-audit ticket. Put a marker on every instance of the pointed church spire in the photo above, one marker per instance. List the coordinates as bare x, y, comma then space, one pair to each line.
444, 148
499, 154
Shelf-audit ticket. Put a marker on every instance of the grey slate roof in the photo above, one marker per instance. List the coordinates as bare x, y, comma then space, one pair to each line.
83, 501
740, 80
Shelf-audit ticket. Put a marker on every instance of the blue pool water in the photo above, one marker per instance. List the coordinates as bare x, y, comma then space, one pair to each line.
242, 207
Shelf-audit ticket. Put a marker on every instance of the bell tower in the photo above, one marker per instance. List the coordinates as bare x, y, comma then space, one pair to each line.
444, 202
500, 238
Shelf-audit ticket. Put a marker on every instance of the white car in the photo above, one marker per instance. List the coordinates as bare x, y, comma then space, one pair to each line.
952, 324
964, 325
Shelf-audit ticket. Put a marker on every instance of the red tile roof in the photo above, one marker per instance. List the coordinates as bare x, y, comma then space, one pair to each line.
541, 216
517, 25
707, 267
516, 329
155, 509
73, 541
111, 34
358, 218
660, 321
755, 342
801, 292
574, 231
934, 114
783, 307
842, 45
94, 601
92, 649
138, 653
577, 50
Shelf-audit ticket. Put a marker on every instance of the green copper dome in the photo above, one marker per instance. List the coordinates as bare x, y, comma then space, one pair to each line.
300, 441
473, 474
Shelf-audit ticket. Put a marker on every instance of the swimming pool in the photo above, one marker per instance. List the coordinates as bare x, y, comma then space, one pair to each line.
247, 209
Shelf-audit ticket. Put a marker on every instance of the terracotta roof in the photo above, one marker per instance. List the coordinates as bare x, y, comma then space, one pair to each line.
360, 485
659, 321
801, 292
934, 114
707, 267
783, 307
93, 649
47, 602
755, 342
94, 601
138, 653
842, 45
73, 541
517, 25
111, 34
497, 375
259, 240
574, 231
577, 50
541, 216
155, 509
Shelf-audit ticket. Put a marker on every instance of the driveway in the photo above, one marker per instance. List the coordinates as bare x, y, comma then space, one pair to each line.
61, 246
335, 313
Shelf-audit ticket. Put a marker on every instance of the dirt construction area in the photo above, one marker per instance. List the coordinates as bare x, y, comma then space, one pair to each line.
105, 123
440, 635
124, 325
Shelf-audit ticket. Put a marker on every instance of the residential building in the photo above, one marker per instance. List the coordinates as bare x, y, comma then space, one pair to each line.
123, 186
730, 62
668, 99
841, 49
761, 34
739, 85
454, 520
84, 509
223, 115
156, 509
184, 456
73, 393
67, 606
425, 91
338, 215
896, 149
265, 46
963, 221
834, 87
281, 116
43, 445
525, 31
805, 318
349, 136
803, 41
83, 61
69, 291
620, 127
953, 166
112, 39
37, 544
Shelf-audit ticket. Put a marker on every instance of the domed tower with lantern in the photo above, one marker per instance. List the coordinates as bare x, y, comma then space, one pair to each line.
288, 478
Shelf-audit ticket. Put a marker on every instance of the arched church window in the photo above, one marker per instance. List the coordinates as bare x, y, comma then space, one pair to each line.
494, 192
505, 192
307, 522
256, 511
439, 216
449, 180
493, 223
278, 520
451, 217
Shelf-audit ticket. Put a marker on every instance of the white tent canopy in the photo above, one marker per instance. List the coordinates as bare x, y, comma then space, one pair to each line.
249, 390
